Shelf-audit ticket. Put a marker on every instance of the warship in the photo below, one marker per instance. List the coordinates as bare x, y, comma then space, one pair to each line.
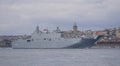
54, 40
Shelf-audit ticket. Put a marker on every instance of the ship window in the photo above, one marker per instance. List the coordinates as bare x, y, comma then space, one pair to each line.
49, 39
44, 38
28, 40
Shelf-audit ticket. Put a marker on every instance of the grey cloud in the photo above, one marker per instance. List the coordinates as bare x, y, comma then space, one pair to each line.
23, 15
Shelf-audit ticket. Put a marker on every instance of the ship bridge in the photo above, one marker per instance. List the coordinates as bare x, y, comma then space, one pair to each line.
39, 35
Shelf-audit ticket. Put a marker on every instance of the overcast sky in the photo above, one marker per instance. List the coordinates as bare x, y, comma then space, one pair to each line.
22, 16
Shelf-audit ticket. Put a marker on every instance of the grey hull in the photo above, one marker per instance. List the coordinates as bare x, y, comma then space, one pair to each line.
85, 43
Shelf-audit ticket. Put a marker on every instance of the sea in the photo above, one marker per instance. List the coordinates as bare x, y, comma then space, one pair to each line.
59, 57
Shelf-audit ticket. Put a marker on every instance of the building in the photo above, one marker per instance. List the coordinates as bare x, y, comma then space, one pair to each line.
75, 33
118, 33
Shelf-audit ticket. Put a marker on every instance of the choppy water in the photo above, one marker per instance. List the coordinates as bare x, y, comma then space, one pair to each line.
59, 57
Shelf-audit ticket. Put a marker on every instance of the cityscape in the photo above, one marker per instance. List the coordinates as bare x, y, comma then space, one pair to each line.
110, 39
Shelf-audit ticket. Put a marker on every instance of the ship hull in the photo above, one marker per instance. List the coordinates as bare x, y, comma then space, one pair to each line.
85, 43
68, 43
